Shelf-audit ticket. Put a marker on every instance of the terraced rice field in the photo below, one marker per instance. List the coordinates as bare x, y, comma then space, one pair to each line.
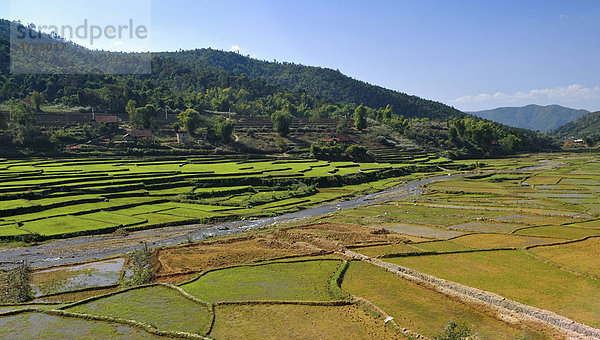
163, 307
70, 278
297, 321
44, 198
583, 256
43, 326
307, 280
418, 308
290, 281
521, 212
488, 241
560, 291
205, 256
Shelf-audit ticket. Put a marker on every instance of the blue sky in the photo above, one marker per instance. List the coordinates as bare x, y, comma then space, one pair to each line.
469, 54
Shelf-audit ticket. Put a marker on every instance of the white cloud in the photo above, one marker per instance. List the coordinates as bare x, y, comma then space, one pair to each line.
118, 43
571, 93
235, 48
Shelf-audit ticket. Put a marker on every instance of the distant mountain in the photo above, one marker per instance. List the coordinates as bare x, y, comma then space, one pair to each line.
587, 125
533, 117
318, 81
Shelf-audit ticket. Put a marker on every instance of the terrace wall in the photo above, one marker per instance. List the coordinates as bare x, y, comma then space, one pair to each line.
242, 123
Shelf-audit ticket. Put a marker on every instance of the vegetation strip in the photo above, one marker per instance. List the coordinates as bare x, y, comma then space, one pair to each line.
428, 253
286, 302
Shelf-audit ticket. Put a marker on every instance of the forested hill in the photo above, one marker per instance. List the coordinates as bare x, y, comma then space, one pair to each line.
319, 81
180, 81
185, 72
533, 117
586, 126
171, 85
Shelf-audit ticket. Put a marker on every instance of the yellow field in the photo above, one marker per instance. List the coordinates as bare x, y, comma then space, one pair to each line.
583, 256
298, 322
488, 241
518, 276
420, 309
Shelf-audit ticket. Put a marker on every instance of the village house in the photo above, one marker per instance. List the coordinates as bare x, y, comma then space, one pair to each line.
110, 121
139, 134
183, 138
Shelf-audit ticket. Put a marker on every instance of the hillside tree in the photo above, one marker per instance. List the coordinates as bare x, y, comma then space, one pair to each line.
360, 117
22, 124
225, 130
282, 120
130, 107
190, 120
142, 117
36, 100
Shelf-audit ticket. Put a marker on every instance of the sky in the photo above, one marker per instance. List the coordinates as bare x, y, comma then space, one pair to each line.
473, 55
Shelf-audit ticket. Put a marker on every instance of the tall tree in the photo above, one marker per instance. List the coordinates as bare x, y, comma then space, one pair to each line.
225, 130
22, 124
360, 117
36, 100
190, 119
130, 107
281, 122
142, 117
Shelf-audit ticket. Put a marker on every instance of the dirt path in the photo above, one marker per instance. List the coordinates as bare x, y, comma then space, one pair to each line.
505, 308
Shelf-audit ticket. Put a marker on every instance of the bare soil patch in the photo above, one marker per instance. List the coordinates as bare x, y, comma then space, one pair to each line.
333, 236
203, 256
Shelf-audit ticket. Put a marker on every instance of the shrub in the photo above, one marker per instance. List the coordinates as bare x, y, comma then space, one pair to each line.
141, 267
28, 238
358, 153
342, 128
327, 152
454, 331
18, 287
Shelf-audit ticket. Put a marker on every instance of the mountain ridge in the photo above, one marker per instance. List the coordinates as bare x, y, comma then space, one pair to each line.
584, 126
533, 117
320, 81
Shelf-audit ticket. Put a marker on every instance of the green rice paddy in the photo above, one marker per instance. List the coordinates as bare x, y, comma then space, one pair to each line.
54, 198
